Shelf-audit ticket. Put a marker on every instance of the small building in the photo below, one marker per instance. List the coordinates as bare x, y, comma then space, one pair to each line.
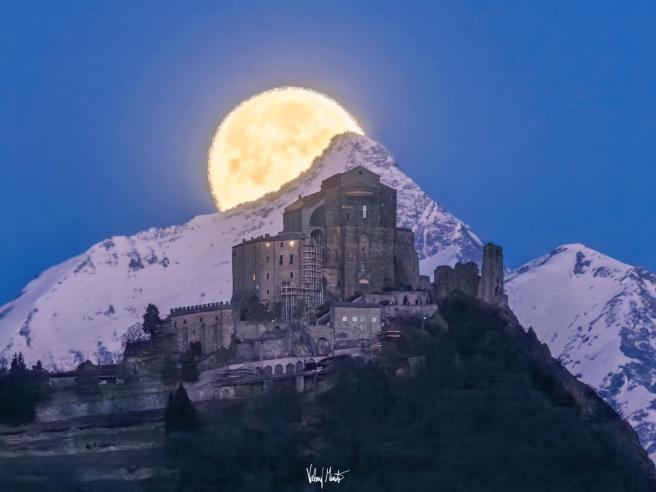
354, 324
208, 324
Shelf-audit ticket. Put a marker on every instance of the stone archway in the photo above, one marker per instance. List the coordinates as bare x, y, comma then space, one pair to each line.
323, 346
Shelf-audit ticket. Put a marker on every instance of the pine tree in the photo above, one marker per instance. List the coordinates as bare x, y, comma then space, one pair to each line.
189, 371
19, 393
17, 364
181, 415
169, 371
151, 319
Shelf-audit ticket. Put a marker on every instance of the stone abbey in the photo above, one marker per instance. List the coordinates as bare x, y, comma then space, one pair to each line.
330, 280
335, 244
340, 279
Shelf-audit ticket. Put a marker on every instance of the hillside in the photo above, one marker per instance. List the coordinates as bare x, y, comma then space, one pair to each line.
491, 412
598, 316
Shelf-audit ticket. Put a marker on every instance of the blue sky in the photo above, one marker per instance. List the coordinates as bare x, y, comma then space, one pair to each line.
532, 121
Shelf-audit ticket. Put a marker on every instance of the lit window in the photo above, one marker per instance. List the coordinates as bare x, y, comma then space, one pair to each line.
291, 243
354, 318
344, 318
373, 319
267, 245
253, 277
364, 211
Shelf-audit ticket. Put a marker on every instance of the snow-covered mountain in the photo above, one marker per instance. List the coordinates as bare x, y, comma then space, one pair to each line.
598, 316
80, 308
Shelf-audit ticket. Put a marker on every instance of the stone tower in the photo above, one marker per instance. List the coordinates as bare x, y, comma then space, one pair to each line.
490, 287
353, 218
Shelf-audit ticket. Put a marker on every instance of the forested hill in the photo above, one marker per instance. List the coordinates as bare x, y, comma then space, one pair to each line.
491, 411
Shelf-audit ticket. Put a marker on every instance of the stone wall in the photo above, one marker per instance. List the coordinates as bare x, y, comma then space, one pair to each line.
209, 324
355, 323
406, 260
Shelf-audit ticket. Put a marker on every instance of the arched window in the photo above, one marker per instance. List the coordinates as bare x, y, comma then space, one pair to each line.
317, 219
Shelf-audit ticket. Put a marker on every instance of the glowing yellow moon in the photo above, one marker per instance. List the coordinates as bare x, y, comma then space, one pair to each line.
270, 139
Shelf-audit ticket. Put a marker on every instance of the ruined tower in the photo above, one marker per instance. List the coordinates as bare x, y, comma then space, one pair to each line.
490, 287
464, 278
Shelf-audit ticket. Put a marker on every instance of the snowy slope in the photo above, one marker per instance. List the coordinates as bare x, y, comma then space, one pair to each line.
598, 316
80, 308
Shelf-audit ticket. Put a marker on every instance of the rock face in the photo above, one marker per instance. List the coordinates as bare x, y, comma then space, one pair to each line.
80, 308
598, 317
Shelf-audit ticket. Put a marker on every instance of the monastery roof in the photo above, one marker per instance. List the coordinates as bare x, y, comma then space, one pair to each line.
303, 200
281, 236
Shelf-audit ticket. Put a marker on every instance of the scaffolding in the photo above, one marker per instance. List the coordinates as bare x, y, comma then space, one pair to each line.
311, 278
310, 290
290, 293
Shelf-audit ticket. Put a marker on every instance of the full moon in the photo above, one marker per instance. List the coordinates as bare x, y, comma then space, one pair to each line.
270, 139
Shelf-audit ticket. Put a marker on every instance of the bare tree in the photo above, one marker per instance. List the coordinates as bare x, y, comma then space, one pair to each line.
134, 333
